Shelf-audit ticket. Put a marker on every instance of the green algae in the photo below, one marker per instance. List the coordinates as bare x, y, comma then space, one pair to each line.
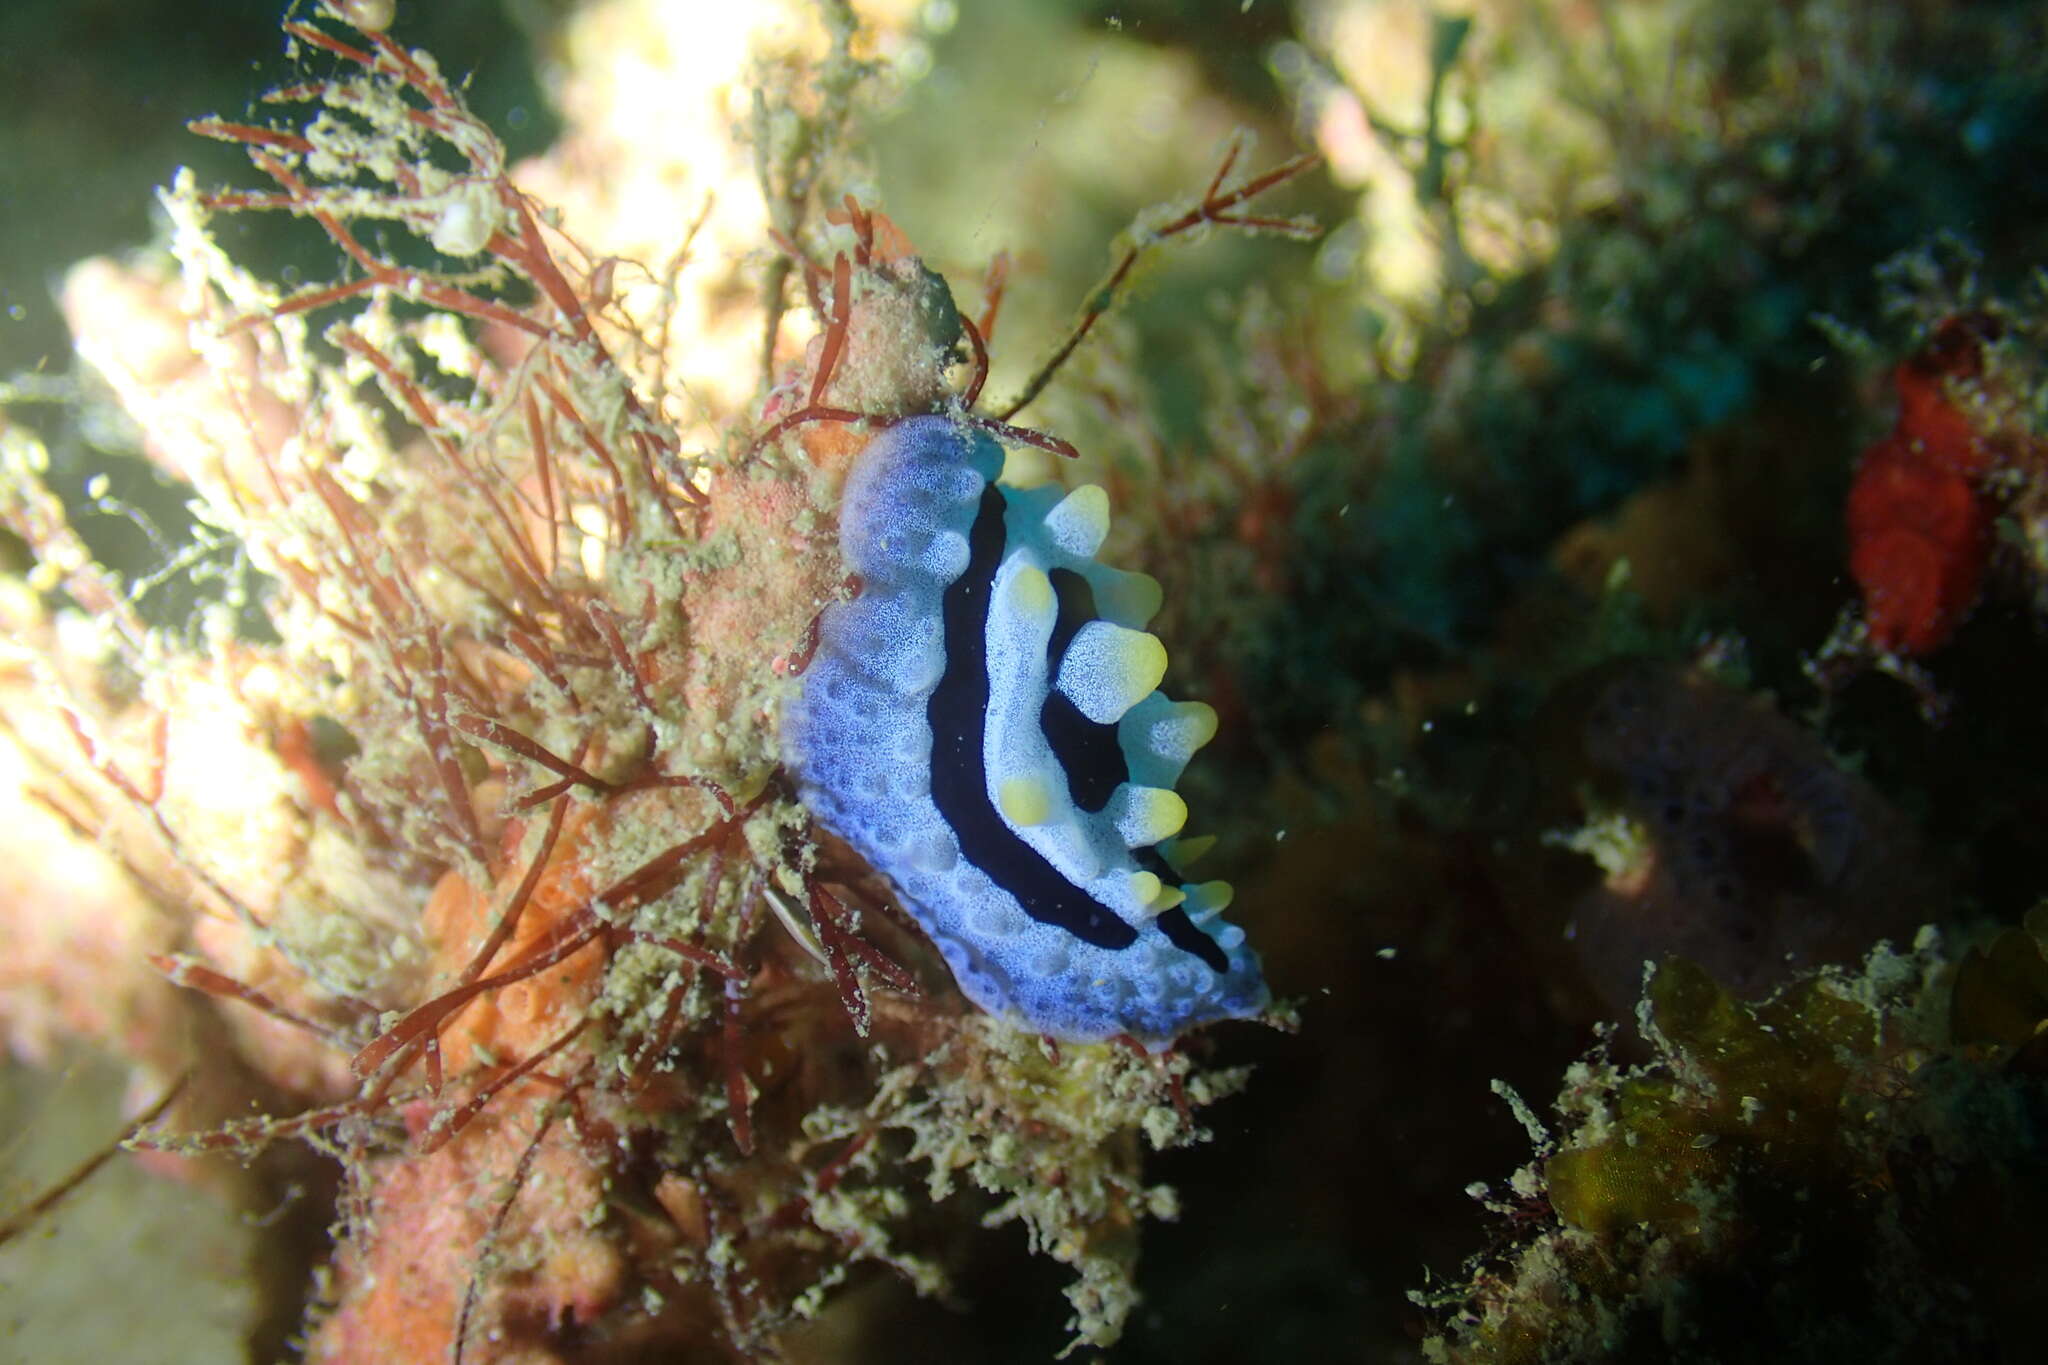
1787, 1179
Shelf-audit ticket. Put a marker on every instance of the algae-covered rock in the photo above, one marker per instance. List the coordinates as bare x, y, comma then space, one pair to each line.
1827, 1174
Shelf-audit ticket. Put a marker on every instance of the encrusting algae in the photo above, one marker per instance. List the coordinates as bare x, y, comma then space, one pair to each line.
1839, 1170
476, 843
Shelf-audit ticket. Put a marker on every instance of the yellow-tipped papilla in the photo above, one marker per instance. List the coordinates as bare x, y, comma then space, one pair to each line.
1208, 899
1189, 726
1024, 801
1079, 521
1031, 592
1145, 815
1109, 669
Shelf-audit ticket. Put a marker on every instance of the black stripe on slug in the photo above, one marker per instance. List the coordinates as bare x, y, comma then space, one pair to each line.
1087, 751
1076, 609
957, 711
1180, 931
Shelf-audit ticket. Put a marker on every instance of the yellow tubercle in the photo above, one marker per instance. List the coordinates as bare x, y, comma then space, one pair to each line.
1111, 668
1144, 661
1080, 520
1024, 801
1031, 592
1145, 815
1200, 719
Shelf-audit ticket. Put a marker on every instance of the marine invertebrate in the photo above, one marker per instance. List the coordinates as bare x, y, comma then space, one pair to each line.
1919, 515
1729, 837
983, 723
1963, 457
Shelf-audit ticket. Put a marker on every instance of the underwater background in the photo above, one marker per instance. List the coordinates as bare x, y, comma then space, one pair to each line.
1613, 541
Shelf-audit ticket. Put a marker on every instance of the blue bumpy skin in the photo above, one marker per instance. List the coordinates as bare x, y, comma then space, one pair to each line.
982, 724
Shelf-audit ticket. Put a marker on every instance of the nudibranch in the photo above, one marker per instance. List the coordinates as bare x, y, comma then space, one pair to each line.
983, 725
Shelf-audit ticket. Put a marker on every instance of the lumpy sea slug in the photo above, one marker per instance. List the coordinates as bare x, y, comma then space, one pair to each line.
982, 724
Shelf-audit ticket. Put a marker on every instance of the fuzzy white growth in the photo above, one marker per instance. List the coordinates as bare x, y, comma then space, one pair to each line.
469, 217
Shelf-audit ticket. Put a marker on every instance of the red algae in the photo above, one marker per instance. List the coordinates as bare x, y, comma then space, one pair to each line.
1919, 516
515, 916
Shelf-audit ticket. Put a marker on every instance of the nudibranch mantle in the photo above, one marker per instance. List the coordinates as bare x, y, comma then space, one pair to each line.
982, 724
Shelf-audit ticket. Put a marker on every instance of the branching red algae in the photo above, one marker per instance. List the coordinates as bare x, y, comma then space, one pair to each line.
512, 952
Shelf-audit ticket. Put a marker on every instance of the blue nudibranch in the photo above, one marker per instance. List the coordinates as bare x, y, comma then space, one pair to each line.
983, 725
